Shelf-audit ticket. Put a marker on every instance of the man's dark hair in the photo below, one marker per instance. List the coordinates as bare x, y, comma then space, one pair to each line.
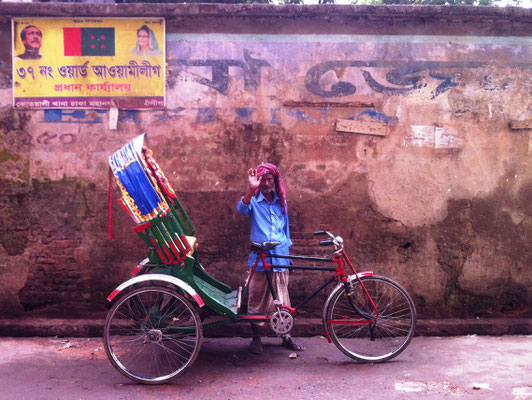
23, 32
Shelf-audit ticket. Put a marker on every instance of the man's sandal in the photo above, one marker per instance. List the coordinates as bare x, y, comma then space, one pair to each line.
292, 345
255, 347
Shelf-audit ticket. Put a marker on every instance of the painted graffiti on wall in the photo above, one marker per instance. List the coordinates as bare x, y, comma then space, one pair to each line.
219, 81
47, 138
404, 76
334, 69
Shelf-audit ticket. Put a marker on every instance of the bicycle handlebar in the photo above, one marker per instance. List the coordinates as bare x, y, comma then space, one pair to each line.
335, 241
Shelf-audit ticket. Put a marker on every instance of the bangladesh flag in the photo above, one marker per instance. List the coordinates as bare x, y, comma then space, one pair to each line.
89, 41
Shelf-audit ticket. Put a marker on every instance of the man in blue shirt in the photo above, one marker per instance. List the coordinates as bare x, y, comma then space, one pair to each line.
265, 204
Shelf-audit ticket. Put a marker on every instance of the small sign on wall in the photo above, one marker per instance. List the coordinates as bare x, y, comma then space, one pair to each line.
434, 137
88, 63
517, 125
363, 127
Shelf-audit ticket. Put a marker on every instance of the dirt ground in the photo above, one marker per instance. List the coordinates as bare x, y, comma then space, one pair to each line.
466, 367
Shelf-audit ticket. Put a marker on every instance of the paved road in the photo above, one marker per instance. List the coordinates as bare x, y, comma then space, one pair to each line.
467, 367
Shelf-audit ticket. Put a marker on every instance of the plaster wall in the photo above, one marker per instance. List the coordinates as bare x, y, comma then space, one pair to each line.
441, 203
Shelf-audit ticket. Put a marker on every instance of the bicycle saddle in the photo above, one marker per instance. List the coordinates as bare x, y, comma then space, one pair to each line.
264, 246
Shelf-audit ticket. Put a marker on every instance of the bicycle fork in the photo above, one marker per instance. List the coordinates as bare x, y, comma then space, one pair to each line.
349, 290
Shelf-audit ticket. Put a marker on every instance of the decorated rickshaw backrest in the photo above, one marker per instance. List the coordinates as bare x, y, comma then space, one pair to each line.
150, 200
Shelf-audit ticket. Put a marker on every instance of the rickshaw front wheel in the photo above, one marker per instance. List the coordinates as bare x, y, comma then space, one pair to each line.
152, 334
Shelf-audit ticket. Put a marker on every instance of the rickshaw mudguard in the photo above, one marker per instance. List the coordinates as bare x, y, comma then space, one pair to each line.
333, 292
337, 287
158, 278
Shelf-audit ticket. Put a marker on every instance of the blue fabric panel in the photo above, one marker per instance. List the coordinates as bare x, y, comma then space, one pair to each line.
139, 187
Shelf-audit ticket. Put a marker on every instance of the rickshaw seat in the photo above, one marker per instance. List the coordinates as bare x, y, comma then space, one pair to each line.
226, 300
215, 294
264, 246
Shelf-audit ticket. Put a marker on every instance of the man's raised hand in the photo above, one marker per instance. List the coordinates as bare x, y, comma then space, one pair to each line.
253, 180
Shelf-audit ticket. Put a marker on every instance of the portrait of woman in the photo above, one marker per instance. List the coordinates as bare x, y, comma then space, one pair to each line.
146, 43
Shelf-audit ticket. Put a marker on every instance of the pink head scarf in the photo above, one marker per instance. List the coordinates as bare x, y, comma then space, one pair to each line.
266, 168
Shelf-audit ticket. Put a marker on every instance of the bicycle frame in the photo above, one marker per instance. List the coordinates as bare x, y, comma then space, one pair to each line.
338, 259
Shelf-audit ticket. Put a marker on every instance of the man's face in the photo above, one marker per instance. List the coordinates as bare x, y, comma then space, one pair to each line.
33, 38
267, 184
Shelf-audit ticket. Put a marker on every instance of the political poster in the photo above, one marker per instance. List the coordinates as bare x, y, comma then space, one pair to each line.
88, 63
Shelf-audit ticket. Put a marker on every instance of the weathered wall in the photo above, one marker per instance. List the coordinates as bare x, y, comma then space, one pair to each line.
442, 203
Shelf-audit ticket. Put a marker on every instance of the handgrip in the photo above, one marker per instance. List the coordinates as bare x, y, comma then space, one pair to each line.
320, 233
327, 242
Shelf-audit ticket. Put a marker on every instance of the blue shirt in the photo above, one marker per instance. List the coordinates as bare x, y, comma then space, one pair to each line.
267, 223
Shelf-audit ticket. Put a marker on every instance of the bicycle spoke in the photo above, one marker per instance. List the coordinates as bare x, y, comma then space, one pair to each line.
178, 355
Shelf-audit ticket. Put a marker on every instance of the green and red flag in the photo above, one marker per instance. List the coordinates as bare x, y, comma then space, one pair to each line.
89, 41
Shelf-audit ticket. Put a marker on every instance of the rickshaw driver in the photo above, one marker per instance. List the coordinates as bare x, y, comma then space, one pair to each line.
265, 204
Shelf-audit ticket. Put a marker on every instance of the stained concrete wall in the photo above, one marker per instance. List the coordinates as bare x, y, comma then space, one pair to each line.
442, 203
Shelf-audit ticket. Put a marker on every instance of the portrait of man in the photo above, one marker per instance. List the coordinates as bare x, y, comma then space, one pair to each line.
32, 40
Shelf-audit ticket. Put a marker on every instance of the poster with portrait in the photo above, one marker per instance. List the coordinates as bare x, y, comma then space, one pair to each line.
88, 63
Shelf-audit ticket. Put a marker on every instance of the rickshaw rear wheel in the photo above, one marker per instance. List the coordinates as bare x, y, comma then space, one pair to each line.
152, 334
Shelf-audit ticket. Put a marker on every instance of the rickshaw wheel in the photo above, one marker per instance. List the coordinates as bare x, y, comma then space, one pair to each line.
152, 334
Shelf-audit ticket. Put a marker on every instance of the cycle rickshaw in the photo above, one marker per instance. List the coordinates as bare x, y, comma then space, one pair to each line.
154, 327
